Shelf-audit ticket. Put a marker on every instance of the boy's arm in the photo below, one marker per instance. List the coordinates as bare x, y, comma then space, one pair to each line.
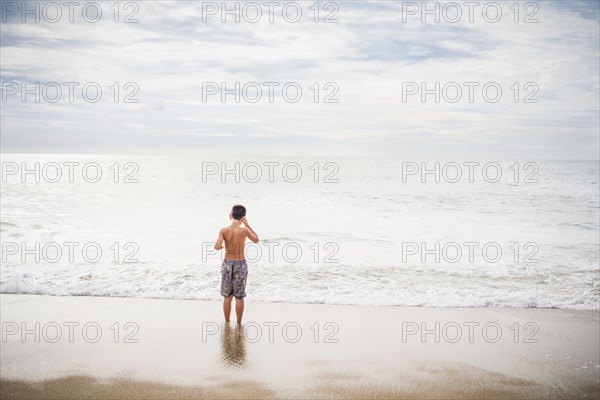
219, 242
250, 232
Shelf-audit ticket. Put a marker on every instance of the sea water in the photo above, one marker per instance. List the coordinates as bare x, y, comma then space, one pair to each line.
370, 231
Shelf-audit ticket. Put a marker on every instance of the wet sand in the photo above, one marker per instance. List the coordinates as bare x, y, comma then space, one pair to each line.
101, 348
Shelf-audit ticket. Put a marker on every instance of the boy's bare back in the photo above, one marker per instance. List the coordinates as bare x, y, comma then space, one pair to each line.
234, 237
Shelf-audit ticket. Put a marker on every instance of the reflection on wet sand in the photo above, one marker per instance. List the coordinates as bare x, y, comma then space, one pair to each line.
233, 350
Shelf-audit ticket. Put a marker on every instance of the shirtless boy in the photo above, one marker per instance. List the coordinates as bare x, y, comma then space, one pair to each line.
234, 269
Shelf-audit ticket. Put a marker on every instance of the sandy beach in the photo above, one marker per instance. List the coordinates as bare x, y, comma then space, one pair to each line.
96, 347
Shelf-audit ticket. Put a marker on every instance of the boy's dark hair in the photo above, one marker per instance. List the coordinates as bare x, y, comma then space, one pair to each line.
238, 211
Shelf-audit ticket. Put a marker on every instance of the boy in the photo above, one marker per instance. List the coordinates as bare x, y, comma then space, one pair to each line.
234, 269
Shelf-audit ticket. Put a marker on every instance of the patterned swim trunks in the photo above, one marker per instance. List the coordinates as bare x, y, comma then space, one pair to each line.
233, 278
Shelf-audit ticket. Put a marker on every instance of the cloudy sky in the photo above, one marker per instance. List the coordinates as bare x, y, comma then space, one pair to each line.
369, 56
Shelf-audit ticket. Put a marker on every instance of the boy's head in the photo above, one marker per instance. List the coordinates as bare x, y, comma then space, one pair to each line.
238, 212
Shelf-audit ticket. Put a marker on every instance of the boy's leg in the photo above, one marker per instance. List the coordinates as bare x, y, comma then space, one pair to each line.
227, 307
239, 308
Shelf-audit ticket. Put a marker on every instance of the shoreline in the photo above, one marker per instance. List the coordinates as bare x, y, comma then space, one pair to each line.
319, 304
152, 348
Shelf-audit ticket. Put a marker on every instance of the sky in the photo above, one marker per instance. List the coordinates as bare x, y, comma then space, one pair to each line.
370, 59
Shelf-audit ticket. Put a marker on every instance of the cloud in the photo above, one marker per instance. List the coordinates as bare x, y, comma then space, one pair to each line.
373, 49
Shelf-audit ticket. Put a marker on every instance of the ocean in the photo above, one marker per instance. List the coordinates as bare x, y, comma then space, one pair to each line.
368, 231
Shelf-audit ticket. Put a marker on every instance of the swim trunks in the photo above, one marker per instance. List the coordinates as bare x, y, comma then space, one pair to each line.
233, 278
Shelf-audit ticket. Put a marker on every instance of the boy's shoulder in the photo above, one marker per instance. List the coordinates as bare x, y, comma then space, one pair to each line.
229, 229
